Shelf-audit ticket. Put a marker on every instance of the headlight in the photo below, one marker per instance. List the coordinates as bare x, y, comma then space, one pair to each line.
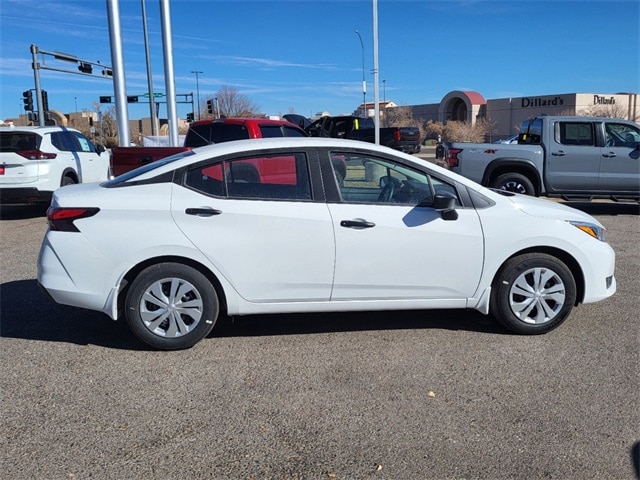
594, 230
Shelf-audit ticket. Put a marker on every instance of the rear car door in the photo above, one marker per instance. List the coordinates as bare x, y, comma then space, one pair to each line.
572, 157
220, 205
620, 158
391, 243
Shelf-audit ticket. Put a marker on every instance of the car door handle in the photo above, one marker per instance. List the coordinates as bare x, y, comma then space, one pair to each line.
203, 212
609, 154
356, 224
559, 153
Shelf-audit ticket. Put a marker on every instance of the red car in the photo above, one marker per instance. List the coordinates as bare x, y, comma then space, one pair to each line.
201, 133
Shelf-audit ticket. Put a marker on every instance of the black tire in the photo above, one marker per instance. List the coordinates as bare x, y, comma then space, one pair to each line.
67, 180
514, 182
171, 306
533, 293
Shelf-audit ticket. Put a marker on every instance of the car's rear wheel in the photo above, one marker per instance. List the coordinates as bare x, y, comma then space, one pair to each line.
67, 180
533, 293
514, 182
171, 306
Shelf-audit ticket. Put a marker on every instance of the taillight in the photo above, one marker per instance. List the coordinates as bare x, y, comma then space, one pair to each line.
1, 169
397, 135
36, 155
452, 157
61, 219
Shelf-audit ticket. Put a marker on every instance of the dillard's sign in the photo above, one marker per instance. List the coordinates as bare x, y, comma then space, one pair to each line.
542, 102
598, 100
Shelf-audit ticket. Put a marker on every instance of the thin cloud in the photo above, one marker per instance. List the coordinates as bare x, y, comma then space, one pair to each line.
267, 62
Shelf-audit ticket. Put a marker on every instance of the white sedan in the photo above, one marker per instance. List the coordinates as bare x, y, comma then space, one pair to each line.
313, 225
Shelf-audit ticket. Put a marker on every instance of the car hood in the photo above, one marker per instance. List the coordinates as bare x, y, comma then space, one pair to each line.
538, 207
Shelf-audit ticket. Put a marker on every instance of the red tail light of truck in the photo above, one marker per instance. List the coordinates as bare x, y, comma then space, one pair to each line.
452, 157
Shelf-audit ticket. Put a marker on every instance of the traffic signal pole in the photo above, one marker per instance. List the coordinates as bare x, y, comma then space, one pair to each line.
36, 80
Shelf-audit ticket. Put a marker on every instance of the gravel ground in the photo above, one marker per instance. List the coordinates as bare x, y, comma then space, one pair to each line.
382, 395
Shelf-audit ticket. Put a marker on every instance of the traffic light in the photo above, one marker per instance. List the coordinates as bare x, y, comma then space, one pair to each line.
27, 98
132, 99
105, 99
190, 117
45, 101
85, 67
107, 72
210, 107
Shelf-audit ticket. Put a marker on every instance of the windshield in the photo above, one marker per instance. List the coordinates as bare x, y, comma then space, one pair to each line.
125, 177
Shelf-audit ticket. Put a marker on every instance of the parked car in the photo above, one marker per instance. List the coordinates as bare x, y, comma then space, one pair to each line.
34, 161
172, 245
405, 139
204, 132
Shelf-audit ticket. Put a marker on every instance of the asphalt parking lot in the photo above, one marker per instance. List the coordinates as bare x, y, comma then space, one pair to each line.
383, 395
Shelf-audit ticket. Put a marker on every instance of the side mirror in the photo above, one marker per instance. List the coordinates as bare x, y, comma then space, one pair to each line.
100, 148
445, 203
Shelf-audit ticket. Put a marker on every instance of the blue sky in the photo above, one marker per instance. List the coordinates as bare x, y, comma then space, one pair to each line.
304, 55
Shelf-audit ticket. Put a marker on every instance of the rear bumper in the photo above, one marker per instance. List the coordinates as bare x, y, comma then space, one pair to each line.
23, 195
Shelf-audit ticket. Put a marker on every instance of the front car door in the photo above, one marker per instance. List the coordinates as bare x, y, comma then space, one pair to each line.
620, 162
391, 244
257, 218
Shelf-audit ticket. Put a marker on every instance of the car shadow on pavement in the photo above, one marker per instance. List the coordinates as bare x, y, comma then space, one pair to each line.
605, 208
18, 212
309, 323
635, 459
27, 313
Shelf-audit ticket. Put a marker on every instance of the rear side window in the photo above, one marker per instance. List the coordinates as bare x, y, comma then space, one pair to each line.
293, 132
264, 177
64, 142
201, 135
271, 131
575, 133
19, 141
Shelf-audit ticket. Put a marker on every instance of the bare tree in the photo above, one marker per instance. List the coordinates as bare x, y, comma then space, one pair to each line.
454, 131
609, 111
108, 127
232, 103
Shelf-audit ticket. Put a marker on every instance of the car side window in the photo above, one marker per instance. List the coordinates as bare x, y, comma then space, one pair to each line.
621, 135
63, 142
367, 179
575, 133
84, 143
282, 176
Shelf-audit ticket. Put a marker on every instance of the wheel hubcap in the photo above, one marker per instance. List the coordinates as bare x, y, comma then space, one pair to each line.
171, 307
537, 296
514, 186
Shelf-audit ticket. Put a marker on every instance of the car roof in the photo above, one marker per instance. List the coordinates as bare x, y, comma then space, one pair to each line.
37, 129
242, 121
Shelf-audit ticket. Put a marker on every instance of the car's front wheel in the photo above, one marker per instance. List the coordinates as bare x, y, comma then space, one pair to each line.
533, 293
171, 306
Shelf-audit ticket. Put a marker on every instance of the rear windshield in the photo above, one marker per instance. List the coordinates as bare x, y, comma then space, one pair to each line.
19, 141
531, 132
201, 135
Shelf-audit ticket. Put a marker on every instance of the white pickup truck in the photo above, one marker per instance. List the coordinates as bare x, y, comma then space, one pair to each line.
568, 157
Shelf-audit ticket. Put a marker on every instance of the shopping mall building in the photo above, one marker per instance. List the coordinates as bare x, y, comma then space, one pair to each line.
506, 114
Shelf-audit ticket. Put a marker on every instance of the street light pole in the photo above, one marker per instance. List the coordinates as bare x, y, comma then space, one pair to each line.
364, 82
197, 90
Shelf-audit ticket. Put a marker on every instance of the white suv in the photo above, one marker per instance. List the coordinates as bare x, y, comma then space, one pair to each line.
34, 161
